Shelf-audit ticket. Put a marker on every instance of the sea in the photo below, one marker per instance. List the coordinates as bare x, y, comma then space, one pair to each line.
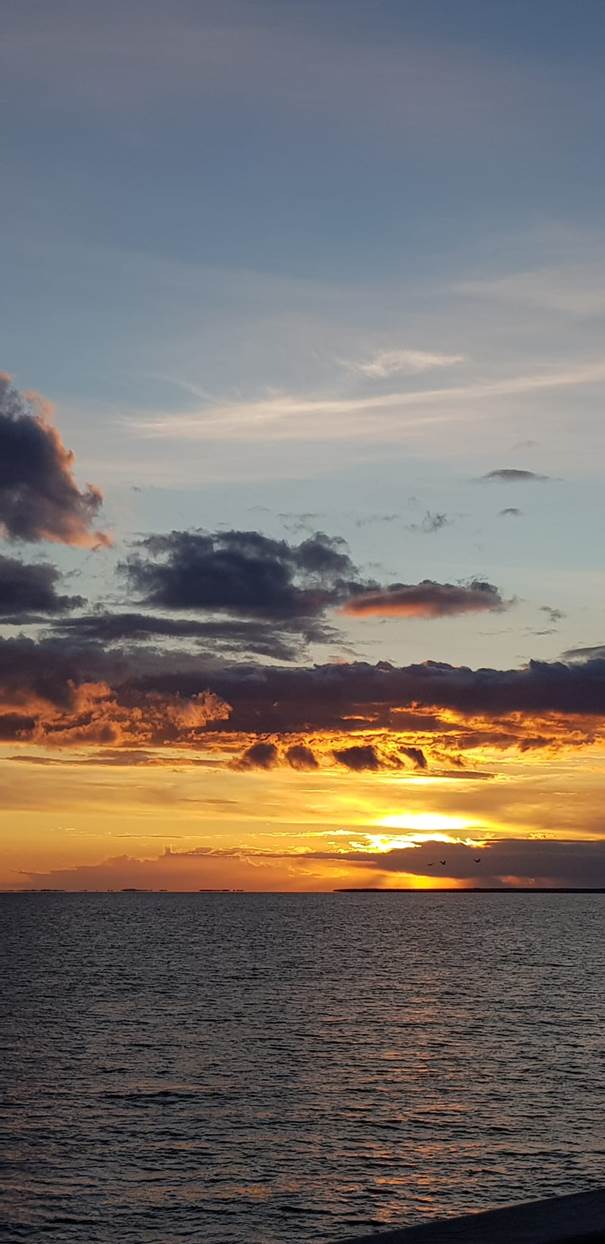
260, 1068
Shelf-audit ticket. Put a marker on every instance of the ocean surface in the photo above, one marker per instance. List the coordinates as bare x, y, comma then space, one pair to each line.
232, 1067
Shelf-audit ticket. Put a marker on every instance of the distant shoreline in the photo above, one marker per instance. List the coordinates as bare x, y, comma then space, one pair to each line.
511, 889
340, 890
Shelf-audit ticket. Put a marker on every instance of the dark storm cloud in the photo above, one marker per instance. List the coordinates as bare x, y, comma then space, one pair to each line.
299, 756
27, 588
258, 756
39, 498
416, 755
358, 758
428, 600
242, 572
513, 475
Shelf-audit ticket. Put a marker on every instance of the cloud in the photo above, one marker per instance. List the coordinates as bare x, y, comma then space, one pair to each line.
225, 635
430, 523
358, 758
416, 755
403, 363
553, 615
101, 718
300, 417
254, 576
595, 652
299, 756
31, 588
71, 693
241, 572
60, 694
258, 756
427, 600
501, 864
504, 862
39, 498
512, 475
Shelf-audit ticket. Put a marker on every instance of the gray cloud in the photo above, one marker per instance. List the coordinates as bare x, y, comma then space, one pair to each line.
513, 475
553, 615
358, 758
258, 756
299, 756
428, 600
284, 642
27, 588
430, 523
500, 863
416, 755
242, 572
594, 653
39, 498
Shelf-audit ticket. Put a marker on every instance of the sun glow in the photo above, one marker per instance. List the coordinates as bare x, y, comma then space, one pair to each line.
433, 823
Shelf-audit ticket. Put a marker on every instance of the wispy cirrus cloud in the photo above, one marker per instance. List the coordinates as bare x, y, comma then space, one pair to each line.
402, 363
301, 417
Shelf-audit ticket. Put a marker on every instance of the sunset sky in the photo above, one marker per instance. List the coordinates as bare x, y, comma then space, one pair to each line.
302, 444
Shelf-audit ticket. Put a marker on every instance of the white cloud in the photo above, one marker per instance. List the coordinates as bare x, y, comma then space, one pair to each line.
403, 363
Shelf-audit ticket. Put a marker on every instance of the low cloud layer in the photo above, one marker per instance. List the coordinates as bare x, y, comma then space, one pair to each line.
501, 864
505, 862
39, 497
455, 708
242, 636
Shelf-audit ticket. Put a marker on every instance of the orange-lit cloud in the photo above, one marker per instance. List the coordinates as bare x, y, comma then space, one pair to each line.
427, 600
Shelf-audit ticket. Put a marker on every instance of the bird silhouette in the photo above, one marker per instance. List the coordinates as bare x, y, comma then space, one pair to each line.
478, 860
443, 861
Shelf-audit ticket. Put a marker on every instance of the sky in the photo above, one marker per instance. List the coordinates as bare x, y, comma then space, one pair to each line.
301, 444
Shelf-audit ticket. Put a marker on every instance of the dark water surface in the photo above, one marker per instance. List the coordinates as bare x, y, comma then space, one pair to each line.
261, 1068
